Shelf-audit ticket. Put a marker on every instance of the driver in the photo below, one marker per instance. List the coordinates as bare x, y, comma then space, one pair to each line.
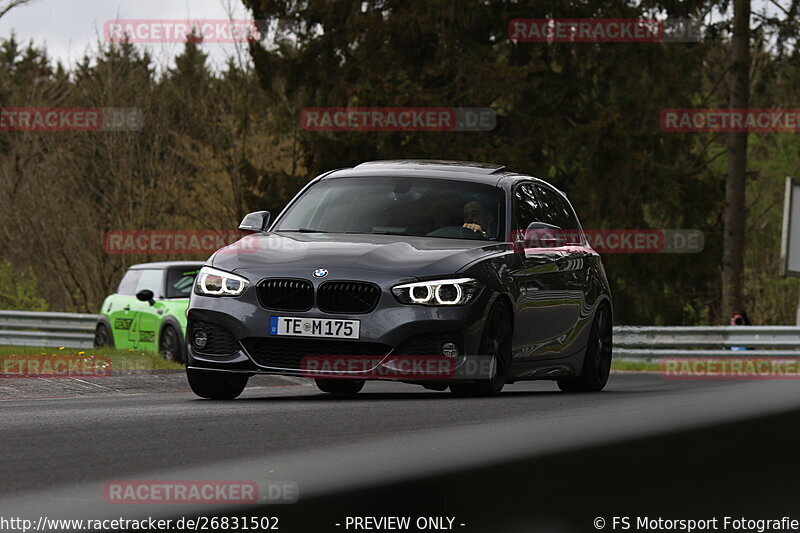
478, 217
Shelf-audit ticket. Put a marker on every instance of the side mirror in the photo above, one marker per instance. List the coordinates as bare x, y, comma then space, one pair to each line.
146, 295
543, 235
256, 221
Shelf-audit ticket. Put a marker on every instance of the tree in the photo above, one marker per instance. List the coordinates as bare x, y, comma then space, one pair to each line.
735, 213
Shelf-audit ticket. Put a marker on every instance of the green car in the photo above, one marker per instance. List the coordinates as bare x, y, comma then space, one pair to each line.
148, 311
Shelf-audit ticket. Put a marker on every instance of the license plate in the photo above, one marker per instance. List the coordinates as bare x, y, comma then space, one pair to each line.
314, 327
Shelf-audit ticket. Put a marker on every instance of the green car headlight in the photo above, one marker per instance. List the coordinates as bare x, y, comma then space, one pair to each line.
440, 292
213, 282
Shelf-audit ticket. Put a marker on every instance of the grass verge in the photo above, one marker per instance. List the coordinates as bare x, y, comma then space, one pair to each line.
142, 360
635, 366
12, 356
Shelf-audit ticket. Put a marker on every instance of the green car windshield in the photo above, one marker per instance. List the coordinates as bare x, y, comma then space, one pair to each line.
180, 282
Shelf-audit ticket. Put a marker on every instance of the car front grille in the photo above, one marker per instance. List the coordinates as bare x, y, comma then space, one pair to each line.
220, 340
347, 297
286, 294
428, 344
288, 353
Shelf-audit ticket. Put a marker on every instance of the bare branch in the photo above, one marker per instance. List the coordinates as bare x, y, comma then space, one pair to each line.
11, 5
776, 4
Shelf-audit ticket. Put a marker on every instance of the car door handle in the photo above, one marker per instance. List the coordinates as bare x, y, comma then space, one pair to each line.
126, 308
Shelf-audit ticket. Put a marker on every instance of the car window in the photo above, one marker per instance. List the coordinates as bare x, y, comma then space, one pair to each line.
180, 281
407, 206
526, 207
150, 280
557, 211
127, 286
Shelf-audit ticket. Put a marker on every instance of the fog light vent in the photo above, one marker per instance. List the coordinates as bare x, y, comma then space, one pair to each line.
449, 349
200, 338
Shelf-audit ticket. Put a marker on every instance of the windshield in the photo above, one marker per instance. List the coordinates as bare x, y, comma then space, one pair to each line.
180, 281
399, 206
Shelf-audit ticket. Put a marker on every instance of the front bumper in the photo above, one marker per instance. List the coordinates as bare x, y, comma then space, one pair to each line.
393, 337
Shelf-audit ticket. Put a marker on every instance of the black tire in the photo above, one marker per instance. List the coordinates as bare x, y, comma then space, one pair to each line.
102, 336
340, 386
597, 361
216, 385
170, 345
496, 341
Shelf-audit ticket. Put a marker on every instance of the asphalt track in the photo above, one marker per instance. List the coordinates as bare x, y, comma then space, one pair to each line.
62, 440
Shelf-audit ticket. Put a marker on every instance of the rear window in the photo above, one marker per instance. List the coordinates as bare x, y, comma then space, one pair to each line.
556, 209
180, 281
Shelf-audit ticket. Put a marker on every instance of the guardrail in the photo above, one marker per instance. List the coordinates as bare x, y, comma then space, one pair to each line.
76, 330
30, 328
654, 342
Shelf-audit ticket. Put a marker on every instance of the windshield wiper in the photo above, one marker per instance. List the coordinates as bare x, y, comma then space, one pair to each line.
303, 230
381, 233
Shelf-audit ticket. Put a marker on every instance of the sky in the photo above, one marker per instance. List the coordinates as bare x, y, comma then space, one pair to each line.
68, 28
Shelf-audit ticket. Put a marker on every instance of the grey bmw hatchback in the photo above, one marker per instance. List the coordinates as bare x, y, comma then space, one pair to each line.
445, 274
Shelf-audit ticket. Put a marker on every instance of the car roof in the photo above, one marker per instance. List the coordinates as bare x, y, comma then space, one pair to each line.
434, 164
488, 173
423, 168
166, 264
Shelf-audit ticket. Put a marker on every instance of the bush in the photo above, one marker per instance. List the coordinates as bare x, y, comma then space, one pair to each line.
19, 289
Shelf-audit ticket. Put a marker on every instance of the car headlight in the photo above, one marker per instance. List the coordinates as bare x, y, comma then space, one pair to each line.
440, 292
213, 282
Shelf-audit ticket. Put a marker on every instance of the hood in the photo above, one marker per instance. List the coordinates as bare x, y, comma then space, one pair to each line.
399, 256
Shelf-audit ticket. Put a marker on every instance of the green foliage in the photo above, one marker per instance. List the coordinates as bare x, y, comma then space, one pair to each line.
19, 289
